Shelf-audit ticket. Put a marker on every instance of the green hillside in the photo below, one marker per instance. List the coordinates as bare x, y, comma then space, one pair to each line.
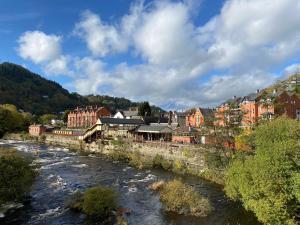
32, 93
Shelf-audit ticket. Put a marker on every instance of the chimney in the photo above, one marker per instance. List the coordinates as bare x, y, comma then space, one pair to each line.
234, 97
257, 91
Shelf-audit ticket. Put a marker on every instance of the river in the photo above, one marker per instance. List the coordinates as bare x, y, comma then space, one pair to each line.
63, 171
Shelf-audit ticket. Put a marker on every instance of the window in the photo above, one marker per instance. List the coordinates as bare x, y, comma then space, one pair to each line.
298, 114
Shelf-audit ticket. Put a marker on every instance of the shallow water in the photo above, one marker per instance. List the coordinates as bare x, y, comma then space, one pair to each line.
63, 172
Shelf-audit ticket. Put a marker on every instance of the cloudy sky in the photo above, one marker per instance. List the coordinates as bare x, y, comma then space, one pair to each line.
175, 54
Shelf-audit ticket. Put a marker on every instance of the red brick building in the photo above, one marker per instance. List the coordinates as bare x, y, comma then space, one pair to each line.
260, 106
198, 117
86, 117
287, 103
37, 129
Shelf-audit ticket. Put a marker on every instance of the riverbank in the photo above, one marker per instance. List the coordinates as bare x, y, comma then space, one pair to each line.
178, 158
61, 172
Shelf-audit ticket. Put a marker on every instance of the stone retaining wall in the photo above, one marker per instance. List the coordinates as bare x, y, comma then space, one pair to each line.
193, 156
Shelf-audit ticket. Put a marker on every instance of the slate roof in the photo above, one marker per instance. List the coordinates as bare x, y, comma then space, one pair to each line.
206, 112
130, 113
118, 121
153, 129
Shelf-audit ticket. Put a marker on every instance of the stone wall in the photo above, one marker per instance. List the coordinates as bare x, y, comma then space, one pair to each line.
193, 156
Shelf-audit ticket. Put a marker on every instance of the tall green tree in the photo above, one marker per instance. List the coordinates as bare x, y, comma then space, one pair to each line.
268, 183
144, 109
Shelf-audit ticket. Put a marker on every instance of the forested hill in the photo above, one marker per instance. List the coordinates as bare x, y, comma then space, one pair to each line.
32, 93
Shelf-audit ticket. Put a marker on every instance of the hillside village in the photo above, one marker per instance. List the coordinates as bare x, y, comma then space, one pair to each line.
193, 126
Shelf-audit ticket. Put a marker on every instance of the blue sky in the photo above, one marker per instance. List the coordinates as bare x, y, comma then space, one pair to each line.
175, 54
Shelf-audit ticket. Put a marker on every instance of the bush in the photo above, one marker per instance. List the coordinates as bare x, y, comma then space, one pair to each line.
119, 155
99, 201
268, 182
75, 201
183, 199
137, 160
16, 177
179, 167
118, 143
188, 153
160, 162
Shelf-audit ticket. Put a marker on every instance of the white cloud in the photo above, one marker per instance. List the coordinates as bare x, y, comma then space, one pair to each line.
101, 39
292, 69
166, 34
38, 46
90, 75
58, 66
239, 47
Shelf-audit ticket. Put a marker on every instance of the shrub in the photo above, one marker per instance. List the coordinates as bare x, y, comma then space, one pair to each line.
160, 162
244, 141
179, 167
119, 155
99, 201
118, 143
183, 199
74, 201
137, 160
268, 182
188, 153
16, 177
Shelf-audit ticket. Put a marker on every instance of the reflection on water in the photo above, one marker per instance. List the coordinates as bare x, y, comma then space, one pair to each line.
63, 172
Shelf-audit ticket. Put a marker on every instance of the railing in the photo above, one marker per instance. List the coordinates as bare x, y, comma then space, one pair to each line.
90, 131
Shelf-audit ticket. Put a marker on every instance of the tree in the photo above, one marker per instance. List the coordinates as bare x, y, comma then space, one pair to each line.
268, 183
16, 175
46, 118
144, 109
65, 116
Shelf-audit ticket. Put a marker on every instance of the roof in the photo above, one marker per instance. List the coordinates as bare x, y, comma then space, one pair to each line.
236, 100
153, 129
118, 121
185, 129
130, 113
206, 112
251, 97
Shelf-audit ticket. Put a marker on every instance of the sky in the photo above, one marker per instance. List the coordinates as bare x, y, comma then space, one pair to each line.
175, 54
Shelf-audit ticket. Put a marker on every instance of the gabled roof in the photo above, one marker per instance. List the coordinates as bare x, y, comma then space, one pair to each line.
130, 113
251, 97
118, 121
206, 112
153, 129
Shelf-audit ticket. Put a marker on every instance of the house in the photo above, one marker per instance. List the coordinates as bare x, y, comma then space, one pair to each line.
38, 129
249, 110
119, 115
130, 113
185, 135
110, 127
177, 118
153, 133
199, 117
287, 103
227, 112
86, 117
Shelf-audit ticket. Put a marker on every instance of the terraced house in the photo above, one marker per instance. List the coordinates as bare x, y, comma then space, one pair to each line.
258, 106
86, 117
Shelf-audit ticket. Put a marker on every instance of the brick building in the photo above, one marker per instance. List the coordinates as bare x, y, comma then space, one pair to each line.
227, 112
37, 129
260, 106
198, 117
86, 117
